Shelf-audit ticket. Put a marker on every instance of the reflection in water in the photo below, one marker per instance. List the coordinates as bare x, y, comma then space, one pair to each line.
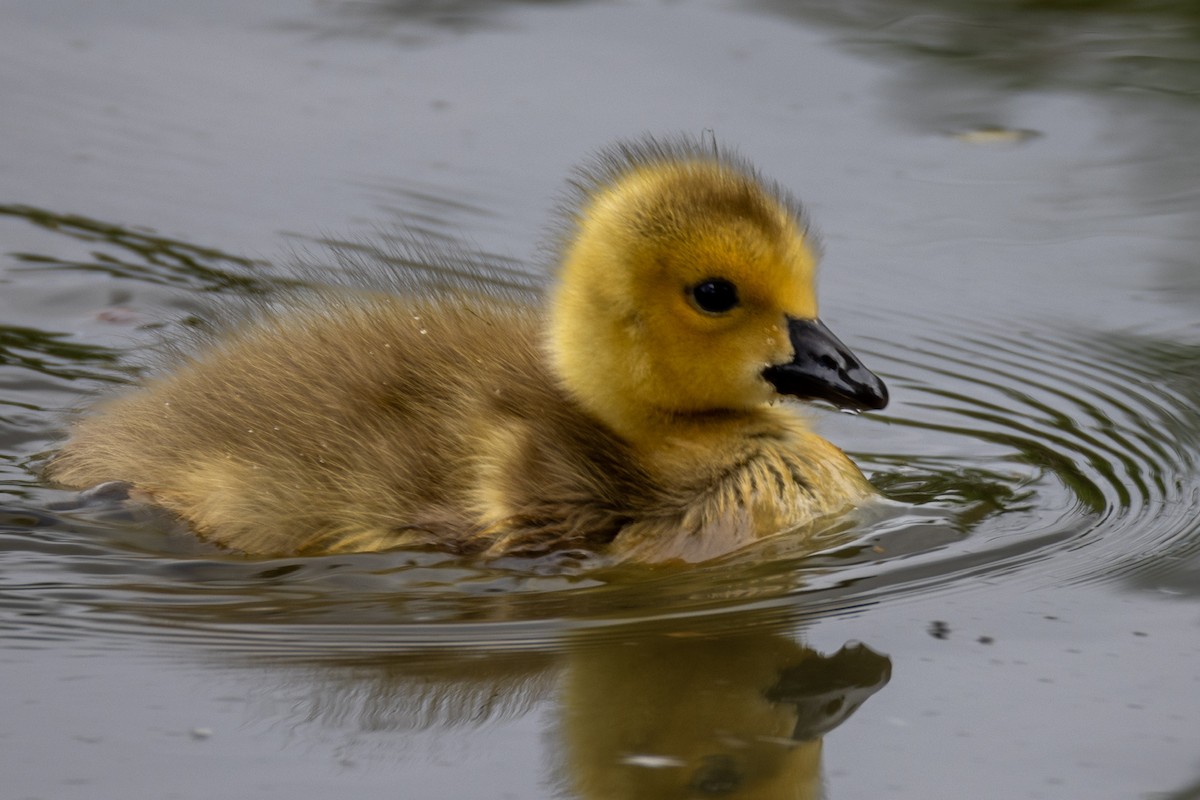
964, 68
672, 716
124, 252
659, 714
412, 22
420, 691
1020, 45
51, 354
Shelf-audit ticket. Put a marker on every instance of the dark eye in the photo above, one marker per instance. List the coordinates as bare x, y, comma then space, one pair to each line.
715, 295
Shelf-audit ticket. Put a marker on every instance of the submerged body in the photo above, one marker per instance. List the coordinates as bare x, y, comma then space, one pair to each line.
632, 415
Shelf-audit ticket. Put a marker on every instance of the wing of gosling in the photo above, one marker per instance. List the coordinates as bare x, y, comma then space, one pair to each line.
339, 425
549, 477
760, 489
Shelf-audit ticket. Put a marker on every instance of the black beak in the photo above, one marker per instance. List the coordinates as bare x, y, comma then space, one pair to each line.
825, 369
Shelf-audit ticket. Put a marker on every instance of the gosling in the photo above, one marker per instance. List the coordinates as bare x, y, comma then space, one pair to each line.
633, 416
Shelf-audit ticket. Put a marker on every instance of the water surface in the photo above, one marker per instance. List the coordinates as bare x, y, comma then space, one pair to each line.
1007, 197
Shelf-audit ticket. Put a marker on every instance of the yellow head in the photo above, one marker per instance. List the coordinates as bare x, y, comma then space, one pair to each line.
685, 283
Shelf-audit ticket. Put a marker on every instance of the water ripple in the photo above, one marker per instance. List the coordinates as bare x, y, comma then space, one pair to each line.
1103, 416
1043, 454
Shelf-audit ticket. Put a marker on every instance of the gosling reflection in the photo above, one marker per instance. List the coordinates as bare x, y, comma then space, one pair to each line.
733, 716
661, 714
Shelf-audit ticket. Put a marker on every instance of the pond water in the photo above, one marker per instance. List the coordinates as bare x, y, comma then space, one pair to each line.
1008, 196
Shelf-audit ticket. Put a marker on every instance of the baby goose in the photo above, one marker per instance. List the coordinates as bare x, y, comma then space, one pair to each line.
634, 415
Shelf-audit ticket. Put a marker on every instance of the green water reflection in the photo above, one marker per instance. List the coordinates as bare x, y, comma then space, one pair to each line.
55, 354
132, 254
1019, 45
